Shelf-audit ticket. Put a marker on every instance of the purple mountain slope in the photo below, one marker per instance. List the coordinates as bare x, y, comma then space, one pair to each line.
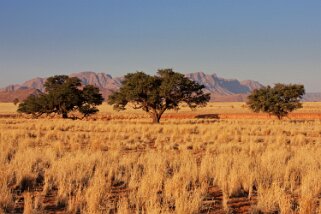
221, 89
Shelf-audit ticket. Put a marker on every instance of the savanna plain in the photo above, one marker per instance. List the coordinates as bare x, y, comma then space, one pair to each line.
217, 159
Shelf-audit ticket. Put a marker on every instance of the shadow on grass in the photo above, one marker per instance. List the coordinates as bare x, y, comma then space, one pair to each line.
207, 116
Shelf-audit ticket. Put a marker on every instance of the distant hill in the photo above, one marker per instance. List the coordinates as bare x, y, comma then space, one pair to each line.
20, 94
220, 86
221, 89
100, 80
312, 97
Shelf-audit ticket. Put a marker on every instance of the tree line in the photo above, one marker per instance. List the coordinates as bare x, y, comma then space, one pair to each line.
153, 94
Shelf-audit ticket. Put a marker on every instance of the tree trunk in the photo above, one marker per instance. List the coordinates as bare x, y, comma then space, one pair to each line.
157, 114
64, 115
279, 116
156, 118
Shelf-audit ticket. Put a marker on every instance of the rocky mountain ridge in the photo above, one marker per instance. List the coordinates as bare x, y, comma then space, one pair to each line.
221, 89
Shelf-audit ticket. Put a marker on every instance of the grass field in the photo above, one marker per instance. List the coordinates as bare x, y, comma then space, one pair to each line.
193, 162
310, 110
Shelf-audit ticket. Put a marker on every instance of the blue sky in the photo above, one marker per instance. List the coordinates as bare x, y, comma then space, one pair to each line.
266, 40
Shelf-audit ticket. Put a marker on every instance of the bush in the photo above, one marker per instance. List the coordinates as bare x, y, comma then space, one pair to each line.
278, 101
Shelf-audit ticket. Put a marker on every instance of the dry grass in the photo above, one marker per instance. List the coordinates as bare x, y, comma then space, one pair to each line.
130, 166
228, 110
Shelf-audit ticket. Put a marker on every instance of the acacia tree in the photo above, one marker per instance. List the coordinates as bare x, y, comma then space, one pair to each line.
156, 94
278, 100
63, 95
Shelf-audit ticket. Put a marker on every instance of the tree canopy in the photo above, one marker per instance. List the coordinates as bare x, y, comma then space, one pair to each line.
156, 94
278, 100
62, 95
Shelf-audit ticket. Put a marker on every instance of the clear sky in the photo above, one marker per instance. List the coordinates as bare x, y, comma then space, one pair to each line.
266, 40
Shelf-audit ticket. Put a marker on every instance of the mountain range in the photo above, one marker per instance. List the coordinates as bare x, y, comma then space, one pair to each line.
221, 89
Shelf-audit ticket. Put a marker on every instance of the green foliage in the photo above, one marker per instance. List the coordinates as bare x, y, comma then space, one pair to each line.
156, 94
33, 105
278, 101
63, 95
91, 95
